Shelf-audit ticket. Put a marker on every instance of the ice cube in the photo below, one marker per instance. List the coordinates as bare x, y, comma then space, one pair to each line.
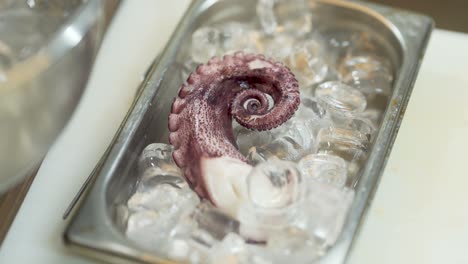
260, 154
340, 98
294, 245
192, 238
274, 184
278, 47
206, 43
289, 141
188, 243
362, 44
186, 250
156, 158
246, 138
344, 141
311, 108
156, 167
155, 211
324, 168
237, 36
196, 234
231, 250
152, 180
284, 148
266, 14
313, 115
363, 125
296, 131
163, 198
149, 229
332, 74
324, 211
368, 74
350, 145
214, 221
275, 188
307, 62
291, 16
337, 44
179, 249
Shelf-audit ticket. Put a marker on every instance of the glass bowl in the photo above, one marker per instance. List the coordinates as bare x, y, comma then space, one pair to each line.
47, 49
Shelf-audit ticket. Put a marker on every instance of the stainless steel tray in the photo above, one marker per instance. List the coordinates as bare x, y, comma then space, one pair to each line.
402, 38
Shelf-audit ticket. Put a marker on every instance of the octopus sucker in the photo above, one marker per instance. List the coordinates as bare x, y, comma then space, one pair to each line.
178, 105
178, 158
238, 86
173, 122
184, 90
174, 140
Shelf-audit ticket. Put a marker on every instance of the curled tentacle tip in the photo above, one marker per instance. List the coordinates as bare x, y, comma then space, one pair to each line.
259, 93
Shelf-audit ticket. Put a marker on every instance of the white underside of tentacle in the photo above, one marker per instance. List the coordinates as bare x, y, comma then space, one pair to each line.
226, 182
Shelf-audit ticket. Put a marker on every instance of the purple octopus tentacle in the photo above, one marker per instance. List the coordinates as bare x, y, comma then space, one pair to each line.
237, 86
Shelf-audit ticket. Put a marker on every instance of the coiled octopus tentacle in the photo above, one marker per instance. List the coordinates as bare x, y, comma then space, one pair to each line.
257, 92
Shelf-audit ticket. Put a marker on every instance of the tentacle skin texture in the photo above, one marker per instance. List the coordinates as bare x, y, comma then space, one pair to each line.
257, 92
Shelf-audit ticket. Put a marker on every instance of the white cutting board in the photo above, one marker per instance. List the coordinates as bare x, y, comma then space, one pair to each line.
419, 214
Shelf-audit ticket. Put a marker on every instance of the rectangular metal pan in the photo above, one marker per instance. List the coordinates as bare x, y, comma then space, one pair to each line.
403, 37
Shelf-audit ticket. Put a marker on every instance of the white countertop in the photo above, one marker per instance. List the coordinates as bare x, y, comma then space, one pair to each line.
419, 214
